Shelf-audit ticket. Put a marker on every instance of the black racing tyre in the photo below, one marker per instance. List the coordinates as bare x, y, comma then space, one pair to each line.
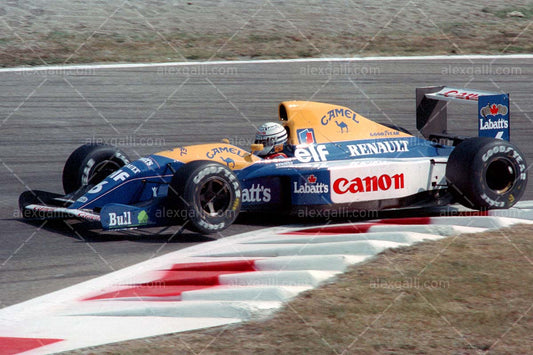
90, 164
393, 126
207, 196
486, 173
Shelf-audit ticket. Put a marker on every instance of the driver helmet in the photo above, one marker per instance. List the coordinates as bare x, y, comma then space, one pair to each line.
272, 136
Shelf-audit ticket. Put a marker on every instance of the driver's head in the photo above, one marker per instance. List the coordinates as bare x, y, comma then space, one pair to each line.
272, 136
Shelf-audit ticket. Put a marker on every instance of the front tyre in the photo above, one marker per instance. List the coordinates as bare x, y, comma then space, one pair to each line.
90, 164
486, 173
207, 195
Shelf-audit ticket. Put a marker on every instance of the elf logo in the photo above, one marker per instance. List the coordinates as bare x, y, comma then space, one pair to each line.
311, 153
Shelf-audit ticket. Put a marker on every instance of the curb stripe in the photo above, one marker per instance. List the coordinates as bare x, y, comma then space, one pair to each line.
231, 265
11, 345
180, 278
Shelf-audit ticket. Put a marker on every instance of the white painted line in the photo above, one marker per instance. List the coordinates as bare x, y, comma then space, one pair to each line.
81, 67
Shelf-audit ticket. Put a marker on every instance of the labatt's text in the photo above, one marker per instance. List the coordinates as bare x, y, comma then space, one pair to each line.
490, 124
310, 188
256, 193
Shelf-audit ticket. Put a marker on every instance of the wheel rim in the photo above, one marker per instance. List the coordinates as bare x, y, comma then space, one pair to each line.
500, 175
103, 170
214, 196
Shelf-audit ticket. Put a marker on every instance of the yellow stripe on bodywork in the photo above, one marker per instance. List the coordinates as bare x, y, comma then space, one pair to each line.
233, 157
332, 123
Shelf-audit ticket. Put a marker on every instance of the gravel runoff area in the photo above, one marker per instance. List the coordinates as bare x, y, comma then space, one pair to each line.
36, 32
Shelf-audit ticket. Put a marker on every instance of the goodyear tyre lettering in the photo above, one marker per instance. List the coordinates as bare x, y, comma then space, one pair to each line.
86, 172
486, 173
206, 195
90, 164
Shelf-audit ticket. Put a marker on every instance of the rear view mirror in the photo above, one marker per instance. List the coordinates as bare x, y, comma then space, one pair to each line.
256, 147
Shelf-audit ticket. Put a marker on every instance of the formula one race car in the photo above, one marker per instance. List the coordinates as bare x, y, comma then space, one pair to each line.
338, 160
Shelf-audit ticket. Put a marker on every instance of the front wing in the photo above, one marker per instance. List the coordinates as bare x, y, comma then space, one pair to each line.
45, 205
61, 212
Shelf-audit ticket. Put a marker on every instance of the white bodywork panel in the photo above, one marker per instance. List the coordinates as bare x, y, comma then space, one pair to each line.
368, 180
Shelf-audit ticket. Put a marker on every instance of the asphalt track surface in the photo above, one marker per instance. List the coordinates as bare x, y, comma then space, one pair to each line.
45, 115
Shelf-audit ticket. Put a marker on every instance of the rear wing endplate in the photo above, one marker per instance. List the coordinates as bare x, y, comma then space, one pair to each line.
493, 110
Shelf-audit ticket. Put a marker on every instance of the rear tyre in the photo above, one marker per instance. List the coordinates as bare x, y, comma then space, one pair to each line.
206, 195
486, 173
90, 164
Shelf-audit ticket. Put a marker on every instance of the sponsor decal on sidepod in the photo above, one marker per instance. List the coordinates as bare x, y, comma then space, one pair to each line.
310, 186
256, 193
369, 183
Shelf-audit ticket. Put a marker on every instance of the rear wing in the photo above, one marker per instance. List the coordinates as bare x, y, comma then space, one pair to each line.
431, 113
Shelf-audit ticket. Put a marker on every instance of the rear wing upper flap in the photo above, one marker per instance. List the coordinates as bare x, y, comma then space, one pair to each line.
431, 110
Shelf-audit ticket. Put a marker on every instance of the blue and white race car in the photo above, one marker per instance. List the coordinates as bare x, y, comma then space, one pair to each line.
338, 159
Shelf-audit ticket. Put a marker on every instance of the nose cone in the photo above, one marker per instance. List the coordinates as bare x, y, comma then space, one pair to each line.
120, 186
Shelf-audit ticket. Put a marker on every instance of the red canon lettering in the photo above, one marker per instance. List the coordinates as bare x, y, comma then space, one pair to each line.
448, 93
339, 186
461, 95
384, 182
369, 184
